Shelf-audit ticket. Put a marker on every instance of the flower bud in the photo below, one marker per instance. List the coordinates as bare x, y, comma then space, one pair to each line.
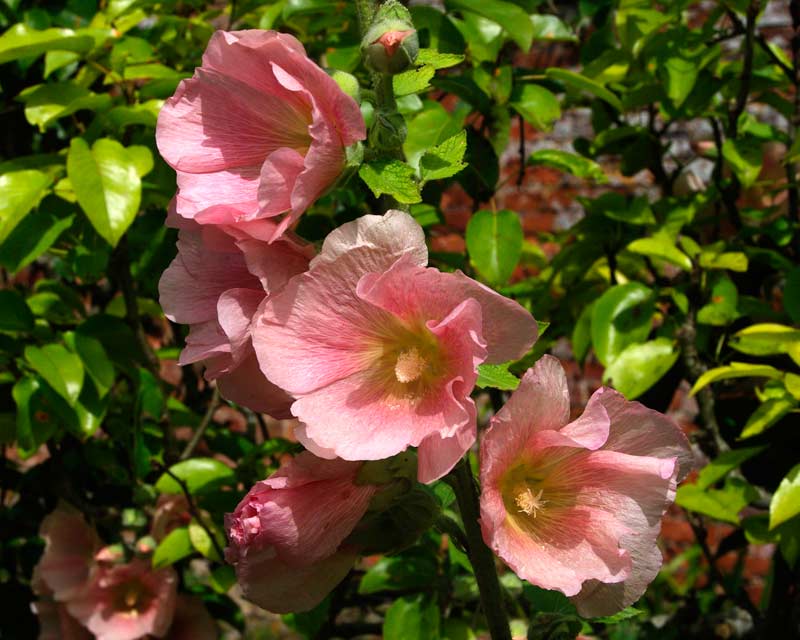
388, 131
391, 44
347, 82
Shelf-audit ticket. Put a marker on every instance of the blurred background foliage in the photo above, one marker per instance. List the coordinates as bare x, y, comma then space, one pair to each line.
630, 176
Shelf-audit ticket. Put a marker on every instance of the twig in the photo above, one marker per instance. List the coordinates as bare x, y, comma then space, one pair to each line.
481, 557
747, 67
232, 14
201, 428
194, 510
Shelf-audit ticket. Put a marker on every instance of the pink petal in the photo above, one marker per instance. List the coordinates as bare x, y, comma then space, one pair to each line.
278, 176
437, 455
235, 310
206, 340
245, 385
56, 624
219, 197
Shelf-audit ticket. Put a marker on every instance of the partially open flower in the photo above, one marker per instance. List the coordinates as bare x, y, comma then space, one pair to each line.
577, 507
70, 546
127, 601
286, 537
260, 128
215, 284
380, 351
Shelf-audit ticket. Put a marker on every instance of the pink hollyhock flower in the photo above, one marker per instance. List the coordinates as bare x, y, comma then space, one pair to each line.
260, 127
56, 624
70, 546
286, 537
215, 284
127, 601
380, 351
577, 506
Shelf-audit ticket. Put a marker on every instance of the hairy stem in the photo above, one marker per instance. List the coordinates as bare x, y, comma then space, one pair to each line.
480, 556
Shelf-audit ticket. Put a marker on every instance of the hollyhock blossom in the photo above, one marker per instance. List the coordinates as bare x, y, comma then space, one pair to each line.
55, 623
287, 536
259, 127
127, 601
215, 284
381, 351
577, 506
70, 546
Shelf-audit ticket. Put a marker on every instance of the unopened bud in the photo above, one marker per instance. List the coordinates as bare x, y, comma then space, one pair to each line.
388, 131
391, 44
348, 83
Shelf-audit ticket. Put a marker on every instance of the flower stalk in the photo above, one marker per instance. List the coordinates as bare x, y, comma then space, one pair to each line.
481, 557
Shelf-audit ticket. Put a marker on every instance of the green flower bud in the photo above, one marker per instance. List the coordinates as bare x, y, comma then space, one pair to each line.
391, 43
388, 130
347, 83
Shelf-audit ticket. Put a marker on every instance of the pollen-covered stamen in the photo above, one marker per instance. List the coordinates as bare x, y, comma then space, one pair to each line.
528, 501
410, 365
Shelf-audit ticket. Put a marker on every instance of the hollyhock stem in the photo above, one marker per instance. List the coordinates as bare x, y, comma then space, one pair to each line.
482, 559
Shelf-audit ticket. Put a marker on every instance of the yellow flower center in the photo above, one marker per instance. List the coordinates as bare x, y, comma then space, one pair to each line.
528, 501
410, 365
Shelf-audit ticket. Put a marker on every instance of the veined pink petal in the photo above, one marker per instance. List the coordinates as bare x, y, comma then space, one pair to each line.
577, 507
246, 385
438, 455
279, 174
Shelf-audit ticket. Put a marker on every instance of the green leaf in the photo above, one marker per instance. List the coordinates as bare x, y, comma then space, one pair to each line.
549, 27
512, 18
46, 103
681, 75
60, 368
409, 571
639, 366
767, 414
411, 619
572, 163
786, 500
433, 125
199, 475
721, 504
175, 546
445, 159
744, 157
621, 316
582, 333
31, 431
722, 309
413, 80
37, 232
732, 260
96, 361
661, 247
497, 376
107, 185
723, 464
537, 105
582, 83
14, 313
391, 177
20, 191
736, 370
438, 60
767, 339
494, 243
791, 293
202, 541
20, 41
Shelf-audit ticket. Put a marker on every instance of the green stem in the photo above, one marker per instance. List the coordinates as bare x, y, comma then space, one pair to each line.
480, 556
365, 10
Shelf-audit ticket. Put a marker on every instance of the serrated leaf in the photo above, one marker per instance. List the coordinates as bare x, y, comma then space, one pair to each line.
494, 243
721, 504
445, 159
107, 185
60, 368
537, 105
567, 162
785, 502
438, 60
496, 376
20, 191
391, 177
413, 81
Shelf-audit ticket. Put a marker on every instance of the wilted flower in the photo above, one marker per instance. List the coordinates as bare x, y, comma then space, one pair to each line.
380, 351
127, 601
286, 536
260, 127
577, 506
215, 284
